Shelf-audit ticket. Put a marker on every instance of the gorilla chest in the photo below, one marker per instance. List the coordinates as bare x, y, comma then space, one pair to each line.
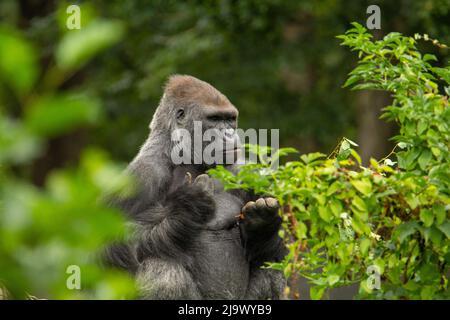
222, 270
228, 209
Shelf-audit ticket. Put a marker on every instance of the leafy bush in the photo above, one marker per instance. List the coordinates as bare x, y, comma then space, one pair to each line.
345, 223
44, 231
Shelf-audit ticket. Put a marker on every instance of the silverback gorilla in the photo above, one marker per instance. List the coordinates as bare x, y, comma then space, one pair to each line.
192, 239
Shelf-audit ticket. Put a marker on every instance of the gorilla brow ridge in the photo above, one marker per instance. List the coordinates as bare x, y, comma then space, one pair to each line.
186, 89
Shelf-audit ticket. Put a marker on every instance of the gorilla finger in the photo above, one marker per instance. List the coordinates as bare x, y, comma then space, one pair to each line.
272, 203
205, 182
250, 206
201, 178
188, 178
260, 203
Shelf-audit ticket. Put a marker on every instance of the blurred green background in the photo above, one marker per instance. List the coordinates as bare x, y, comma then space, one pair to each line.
278, 61
74, 103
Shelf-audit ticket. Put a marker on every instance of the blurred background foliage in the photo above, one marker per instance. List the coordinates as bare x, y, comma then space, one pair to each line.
278, 61
48, 229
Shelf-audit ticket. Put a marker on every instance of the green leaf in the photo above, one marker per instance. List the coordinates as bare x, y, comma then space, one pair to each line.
351, 142
325, 213
440, 214
335, 186
301, 230
336, 207
345, 145
311, 158
359, 204
351, 80
360, 227
424, 159
316, 292
445, 228
281, 153
422, 125
363, 186
18, 61
333, 279
412, 200
356, 156
17, 145
405, 230
429, 57
53, 115
406, 159
364, 246
401, 160
79, 46
411, 156
427, 217
434, 234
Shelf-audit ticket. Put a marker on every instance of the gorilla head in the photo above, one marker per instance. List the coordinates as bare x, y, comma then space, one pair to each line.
201, 120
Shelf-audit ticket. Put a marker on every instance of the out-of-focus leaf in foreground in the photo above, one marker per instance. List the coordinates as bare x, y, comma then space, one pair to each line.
79, 46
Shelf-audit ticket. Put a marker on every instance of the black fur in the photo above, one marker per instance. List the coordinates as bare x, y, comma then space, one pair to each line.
167, 229
188, 241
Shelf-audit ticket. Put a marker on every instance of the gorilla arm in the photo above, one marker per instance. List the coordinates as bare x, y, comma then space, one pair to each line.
259, 229
164, 235
165, 221
166, 229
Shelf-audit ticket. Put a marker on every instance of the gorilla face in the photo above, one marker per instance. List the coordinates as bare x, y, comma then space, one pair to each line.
212, 128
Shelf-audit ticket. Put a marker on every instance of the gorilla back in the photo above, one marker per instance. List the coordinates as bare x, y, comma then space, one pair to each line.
192, 239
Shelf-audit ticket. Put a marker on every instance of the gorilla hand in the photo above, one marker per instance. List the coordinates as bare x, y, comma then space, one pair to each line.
205, 183
259, 225
167, 228
260, 213
194, 201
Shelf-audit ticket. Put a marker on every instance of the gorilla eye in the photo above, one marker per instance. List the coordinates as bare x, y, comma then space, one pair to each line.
180, 113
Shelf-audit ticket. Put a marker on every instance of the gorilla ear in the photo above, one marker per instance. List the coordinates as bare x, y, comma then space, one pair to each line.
180, 114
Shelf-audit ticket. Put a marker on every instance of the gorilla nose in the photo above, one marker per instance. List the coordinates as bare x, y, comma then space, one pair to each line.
229, 134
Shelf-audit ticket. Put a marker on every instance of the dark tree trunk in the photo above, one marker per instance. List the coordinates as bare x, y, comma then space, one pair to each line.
373, 133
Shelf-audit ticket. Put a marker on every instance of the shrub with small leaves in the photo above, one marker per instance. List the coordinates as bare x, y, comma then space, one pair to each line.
385, 226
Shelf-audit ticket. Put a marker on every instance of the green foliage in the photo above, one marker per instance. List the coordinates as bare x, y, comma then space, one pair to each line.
46, 230
55, 114
76, 48
253, 51
270, 57
340, 219
15, 51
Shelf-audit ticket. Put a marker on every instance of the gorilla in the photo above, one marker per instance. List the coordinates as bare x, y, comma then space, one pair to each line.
192, 239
